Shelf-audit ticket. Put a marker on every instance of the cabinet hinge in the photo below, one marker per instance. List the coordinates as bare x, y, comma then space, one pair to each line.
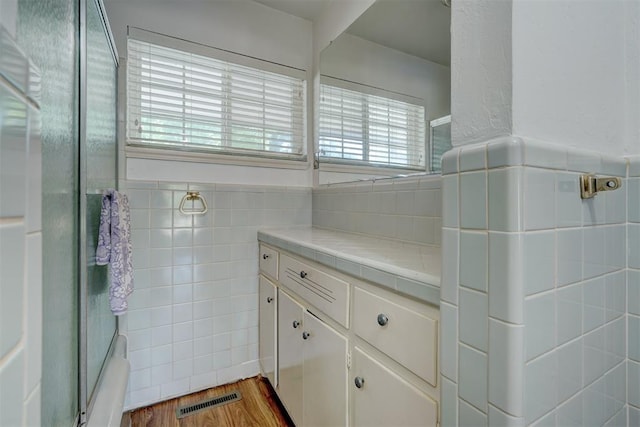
348, 360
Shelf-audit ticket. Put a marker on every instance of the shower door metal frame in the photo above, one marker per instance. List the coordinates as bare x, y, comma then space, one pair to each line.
87, 399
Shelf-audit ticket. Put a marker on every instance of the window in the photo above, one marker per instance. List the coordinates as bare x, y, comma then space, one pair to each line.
182, 100
359, 128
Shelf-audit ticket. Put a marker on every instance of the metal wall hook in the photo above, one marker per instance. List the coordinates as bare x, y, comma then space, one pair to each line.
590, 185
193, 196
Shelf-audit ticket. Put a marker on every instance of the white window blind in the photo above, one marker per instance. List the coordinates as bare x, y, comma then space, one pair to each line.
359, 128
178, 99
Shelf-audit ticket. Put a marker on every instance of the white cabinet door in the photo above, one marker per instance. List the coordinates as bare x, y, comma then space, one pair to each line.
290, 326
382, 398
325, 375
267, 306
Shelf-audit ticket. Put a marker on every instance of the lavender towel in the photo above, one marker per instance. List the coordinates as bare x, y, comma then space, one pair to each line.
114, 248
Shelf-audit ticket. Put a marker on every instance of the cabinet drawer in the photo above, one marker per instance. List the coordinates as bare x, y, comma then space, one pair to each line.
269, 261
328, 293
385, 399
404, 335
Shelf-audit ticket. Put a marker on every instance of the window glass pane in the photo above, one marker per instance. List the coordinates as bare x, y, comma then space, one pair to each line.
177, 98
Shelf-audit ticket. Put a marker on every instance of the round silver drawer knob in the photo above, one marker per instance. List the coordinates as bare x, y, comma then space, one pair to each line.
269, 300
303, 274
305, 335
359, 381
382, 319
295, 324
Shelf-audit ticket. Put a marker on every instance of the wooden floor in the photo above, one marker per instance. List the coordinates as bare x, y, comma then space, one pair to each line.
259, 407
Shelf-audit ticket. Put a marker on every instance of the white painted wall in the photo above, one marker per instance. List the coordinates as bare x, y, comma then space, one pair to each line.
569, 66
481, 84
240, 26
563, 72
355, 59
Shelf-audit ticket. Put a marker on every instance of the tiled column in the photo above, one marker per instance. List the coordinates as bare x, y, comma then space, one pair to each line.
633, 296
533, 284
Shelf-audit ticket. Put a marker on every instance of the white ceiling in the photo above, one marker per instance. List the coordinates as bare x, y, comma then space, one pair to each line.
417, 27
307, 9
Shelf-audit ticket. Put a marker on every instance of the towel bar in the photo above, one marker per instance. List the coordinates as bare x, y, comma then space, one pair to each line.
193, 196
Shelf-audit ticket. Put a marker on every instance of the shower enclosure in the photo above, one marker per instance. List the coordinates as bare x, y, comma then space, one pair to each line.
440, 141
70, 43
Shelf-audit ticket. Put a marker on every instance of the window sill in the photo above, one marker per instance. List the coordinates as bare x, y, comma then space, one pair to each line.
137, 152
366, 170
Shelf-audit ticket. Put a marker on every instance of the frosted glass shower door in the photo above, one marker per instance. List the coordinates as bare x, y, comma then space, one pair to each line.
98, 153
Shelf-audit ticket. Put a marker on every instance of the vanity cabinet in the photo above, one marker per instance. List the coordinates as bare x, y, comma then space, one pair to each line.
347, 352
312, 366
268, 328
383, 398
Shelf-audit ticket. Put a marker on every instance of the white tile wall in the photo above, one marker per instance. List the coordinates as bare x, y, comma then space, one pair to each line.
20, 248
555, 272
408, 209
193, 317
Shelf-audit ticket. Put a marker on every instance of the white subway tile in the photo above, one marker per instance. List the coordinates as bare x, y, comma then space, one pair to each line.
161, 199
539, 261
545, 155
505, 199
506, 370
160, 257
450, 258
182, 350
449, 341
473, 200
540, 386
161, 316
569, 360
174, 388
508, 152
468, 416
568, 313
506, 290
448, 404
182, 369
539, 199
473, 260
594, 252
160, 357
182, 237
160, 238
568, 201
633, 300
499, 418
183, 331
633, 194
569, 252
182, 312
183, 256
540, 321
594, 304
595, 352
161, 218
473, 157
472, 378
615, 247
161, 335
474, 328
594, 211
450, 199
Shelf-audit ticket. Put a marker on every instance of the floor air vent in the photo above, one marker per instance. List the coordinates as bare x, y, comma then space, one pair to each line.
185, 411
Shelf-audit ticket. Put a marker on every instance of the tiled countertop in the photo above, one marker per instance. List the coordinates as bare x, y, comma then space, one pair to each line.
407, 268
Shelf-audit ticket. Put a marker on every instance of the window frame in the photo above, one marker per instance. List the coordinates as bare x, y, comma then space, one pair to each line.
202, 154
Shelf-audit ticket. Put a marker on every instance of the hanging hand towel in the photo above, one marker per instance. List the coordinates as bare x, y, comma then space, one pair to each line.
114, 248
